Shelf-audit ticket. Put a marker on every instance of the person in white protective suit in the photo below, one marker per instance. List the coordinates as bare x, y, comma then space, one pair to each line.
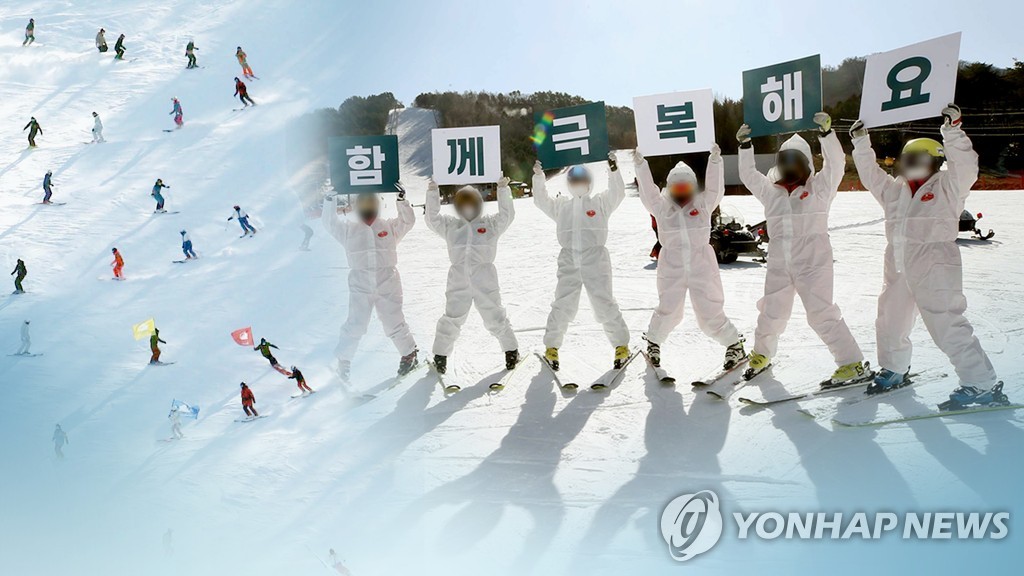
472, 240
371, 245
922, 272
581, 223
687, 261
97, 128
796, 204
175, 418
26, 340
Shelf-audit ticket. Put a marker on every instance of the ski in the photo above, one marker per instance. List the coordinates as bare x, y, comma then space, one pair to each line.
161, 363
499, 385
178, 261
862, 382
394, 381
738, 385
926, 415
51, 203
720, 373
609, 378
303, 394
568, 386
660, 372
26, 355
167, 212
448, 388
251, 418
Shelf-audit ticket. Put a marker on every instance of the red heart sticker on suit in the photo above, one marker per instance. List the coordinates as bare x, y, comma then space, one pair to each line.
805, 194
481, 230
382, 233
694, 212
591, 213
928, 196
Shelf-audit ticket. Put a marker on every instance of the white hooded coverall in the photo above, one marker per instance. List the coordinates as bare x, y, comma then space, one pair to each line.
800, 261
581, 224
923, 272
97, 130
472, 277
373, 279
687, 261
26, 340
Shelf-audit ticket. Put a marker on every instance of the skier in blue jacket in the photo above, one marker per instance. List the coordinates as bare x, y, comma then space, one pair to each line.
186, 246
158, 196
47, 187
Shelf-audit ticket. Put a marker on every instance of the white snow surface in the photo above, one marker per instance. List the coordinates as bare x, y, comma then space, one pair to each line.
527, 481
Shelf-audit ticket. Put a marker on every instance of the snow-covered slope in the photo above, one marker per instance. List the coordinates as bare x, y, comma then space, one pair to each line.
522, 482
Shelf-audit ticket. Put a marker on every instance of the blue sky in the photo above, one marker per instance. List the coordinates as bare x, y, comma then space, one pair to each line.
616, 50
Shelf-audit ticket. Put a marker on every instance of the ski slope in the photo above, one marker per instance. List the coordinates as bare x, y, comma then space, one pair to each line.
527, 481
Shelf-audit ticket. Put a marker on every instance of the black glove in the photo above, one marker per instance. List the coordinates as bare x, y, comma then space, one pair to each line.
612, 162
401, 191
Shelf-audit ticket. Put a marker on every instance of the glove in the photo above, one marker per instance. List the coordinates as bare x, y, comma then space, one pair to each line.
612, 162
951, 113
638, 157
503, 181
824, 122
857, 130
538, 169
716, 154
431, 185
401, 191
743, 134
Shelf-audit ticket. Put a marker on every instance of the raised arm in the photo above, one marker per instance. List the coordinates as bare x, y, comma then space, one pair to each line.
833, 165
435, 221
961, 158
406, 217
871, 175
334, 225
714, 179
616, 193
506, 206
650, 194
541, 198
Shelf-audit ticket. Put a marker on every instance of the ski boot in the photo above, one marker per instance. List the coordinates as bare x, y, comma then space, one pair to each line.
848, 374
511, 359
966, 396
551, 356
440, 363
621, 355
734, 355
407, 363
654, 354
758, 364
344, 366
886, 380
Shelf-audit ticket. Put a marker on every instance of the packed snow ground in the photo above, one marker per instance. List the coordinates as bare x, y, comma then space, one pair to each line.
527, 481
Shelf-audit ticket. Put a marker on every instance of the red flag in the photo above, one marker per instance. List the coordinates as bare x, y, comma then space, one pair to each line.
243, 336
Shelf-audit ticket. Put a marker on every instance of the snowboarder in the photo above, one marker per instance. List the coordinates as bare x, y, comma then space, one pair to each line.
688, 262
117, 264
249, 402
186, 246
190, 53
264, 348
47, 187
472, 240
243, 61
19, 274
923, 271
796, 202
307, 235
101, 40
300, 380
175, 418
26, 340
30, 32
179, 116
158, 196
243, 93
371, 247
154, 345
33, 128
97, 128
119, 48
243, 221
581, 226
60, 438
337, 565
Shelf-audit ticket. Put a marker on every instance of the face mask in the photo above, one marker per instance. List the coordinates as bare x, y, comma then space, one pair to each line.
792, 166
917, 173
681, 192
579, 189
916, 166
367, 210
468, 210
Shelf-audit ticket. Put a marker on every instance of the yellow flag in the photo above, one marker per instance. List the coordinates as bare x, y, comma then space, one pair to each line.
144, 329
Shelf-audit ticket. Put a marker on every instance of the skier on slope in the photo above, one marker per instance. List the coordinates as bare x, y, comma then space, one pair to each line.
117, 264
796, 203
186, 246
154, 345
307, 235
97, 128
33, 128
923, 270
101, 40
472, 241
244, 63
300, 381
249, 402
60, 438
30, 32
190, 53
688, 262
371, 247
179, 116
19, 274
47, 187
175, 417
26, 341
264, 348
119, 48
581, 223
158, 195
243, 93
243, 221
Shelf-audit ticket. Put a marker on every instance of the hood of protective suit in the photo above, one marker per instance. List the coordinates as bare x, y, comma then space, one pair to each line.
680, 173
795, 142
469, 203
584, 181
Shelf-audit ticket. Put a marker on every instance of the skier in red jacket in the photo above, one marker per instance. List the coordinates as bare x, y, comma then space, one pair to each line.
249, 402
243, 93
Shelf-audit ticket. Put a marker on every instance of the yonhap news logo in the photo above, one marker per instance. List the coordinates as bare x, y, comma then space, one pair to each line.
692, 524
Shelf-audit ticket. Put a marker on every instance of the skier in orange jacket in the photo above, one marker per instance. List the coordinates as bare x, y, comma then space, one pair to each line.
118, 264
249, 402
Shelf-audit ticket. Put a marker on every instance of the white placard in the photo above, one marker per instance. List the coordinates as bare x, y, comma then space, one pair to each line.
466, 155
675, 123
910, 83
